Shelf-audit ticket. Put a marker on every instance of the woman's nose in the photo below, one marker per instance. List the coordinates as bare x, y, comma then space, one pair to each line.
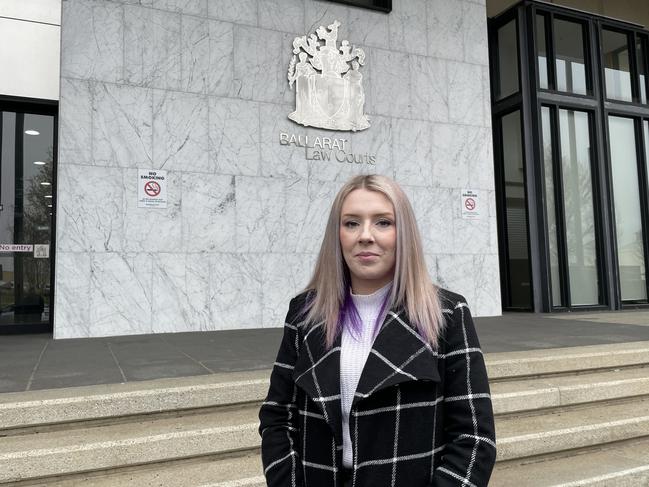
366, 233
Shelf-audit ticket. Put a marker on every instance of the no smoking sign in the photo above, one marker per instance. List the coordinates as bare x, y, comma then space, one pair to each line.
151, 189
470, 206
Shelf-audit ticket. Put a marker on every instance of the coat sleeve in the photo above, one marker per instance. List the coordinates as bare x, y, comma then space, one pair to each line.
279, 414
470, 451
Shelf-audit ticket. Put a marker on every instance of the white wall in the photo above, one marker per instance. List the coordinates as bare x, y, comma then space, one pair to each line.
199, 88
30, 36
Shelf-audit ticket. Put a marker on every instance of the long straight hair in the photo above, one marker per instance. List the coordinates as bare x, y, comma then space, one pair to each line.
412, 288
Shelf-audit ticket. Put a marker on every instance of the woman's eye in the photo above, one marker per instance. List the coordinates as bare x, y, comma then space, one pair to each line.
384, 223
350, 224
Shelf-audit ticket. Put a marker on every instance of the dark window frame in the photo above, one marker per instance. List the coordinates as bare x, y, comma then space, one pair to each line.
38, 107
380, 5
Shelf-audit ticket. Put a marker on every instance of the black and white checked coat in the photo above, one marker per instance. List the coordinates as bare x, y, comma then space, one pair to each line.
420, 418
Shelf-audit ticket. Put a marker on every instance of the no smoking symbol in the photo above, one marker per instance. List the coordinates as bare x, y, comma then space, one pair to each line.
469, 204
151, 188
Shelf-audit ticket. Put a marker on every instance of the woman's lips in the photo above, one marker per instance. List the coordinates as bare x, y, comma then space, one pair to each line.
366, 257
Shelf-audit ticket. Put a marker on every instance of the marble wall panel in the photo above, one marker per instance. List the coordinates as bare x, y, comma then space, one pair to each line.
221, 61
283, 277
261, 59
445, 29
234, 136
283, 15
278, 160
389, 88
152, 229
408, 28
75, 121
92, 36
208, 213
235, 291
456, 150
474, 30
194, 7
180, 292
467, 95
486, 96
90, 213
180, 126
473, 236
122, 125
480, 159
429, 89
368, 28
324, 12
487, 285
237, 11
412, 146
194, 54
120, 293
72, 295
306, 212
456, 272
261, 222
434, 210
377, 141
154, 44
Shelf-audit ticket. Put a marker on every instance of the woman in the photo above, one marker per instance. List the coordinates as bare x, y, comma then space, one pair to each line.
379, 379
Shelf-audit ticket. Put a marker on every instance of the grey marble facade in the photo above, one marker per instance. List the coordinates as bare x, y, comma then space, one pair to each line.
199, 88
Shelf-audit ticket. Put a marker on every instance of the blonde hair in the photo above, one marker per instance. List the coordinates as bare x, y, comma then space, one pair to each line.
412, 288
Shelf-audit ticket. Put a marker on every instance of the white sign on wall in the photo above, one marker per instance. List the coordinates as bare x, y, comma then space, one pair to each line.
16, 248
151, 188
470, 204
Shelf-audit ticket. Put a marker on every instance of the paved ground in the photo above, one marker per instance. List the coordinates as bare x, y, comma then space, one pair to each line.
30, 362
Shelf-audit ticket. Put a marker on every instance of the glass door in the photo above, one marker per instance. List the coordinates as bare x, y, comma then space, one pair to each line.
574, 265
26, 218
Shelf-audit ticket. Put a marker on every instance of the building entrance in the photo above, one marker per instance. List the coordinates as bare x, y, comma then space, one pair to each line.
571, 144
27, 181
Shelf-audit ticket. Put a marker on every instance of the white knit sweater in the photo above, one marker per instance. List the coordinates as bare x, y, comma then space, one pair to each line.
353, 355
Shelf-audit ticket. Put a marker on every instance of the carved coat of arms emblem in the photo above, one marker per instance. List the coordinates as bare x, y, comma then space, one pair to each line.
328, 82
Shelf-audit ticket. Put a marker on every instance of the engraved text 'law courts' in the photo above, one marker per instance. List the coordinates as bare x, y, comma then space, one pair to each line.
325, 149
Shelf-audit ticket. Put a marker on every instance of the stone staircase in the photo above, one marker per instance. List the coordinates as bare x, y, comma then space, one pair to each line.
565, 417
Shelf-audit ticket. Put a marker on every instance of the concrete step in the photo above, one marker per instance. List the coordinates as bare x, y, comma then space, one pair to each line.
619, 465
112, 446
560, 391
579, 427
509, 365
239, 471
132, 401
22, 409
235, 429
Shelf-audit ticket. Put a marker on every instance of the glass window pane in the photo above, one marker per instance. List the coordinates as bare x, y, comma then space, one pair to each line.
550, 207
641, 52
617, 69
507, 60
541, 52
578, 204
570, 61
26, 174
628, 219
516, 223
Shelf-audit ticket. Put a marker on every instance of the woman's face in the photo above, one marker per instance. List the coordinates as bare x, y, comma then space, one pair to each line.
368, 238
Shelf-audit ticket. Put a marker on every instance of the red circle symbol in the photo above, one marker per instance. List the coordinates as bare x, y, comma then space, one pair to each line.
152, 188
469, 204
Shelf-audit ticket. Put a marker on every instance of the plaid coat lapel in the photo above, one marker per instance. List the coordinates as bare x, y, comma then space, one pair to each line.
398, 355
317, 372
